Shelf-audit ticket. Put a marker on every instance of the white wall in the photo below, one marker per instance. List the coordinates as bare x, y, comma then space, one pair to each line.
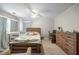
6, 14
45, 23
68, 20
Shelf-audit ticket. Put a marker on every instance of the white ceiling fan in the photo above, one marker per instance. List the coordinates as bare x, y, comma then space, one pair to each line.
35, 13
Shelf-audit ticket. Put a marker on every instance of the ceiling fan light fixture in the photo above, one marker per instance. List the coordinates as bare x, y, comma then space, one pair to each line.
34, 11
34, 15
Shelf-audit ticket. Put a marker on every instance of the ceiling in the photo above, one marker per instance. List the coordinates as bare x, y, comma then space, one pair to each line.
25, 10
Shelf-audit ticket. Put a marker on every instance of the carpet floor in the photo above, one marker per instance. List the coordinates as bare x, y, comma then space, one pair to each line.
51, 48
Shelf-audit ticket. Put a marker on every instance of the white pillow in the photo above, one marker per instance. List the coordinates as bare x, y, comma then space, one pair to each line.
29, 33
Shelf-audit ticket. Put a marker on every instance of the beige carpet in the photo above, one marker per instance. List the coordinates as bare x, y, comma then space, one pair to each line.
51, 48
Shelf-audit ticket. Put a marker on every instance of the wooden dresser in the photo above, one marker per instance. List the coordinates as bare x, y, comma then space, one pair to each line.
69, 42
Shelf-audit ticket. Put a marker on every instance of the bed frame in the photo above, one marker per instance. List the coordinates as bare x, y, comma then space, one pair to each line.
34, 30
22, 47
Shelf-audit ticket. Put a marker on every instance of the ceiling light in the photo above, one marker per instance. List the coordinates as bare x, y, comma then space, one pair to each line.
34, 15
34, 11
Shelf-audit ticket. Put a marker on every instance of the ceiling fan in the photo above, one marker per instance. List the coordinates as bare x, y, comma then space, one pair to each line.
35, 13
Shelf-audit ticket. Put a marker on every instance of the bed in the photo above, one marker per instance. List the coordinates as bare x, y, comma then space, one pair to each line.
32, 38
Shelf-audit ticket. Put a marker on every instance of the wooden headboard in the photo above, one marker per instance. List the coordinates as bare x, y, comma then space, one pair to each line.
34, 30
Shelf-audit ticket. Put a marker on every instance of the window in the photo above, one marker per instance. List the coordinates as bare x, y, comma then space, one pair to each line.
26, 24
14, 26
8, 25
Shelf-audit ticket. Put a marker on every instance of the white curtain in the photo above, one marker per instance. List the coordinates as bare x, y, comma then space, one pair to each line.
3, 37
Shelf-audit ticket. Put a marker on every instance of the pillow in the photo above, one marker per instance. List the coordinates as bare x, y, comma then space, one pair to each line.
35, 33
29, 33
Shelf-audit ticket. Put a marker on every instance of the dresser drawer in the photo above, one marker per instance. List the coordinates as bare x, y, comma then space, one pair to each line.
70, 36
69, 51
72, 43
69, 45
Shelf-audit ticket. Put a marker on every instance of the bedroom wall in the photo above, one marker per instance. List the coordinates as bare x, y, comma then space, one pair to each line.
68, 20
45, 23
4, 13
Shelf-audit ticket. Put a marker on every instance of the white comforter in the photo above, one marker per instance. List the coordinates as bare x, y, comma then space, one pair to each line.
29, 38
